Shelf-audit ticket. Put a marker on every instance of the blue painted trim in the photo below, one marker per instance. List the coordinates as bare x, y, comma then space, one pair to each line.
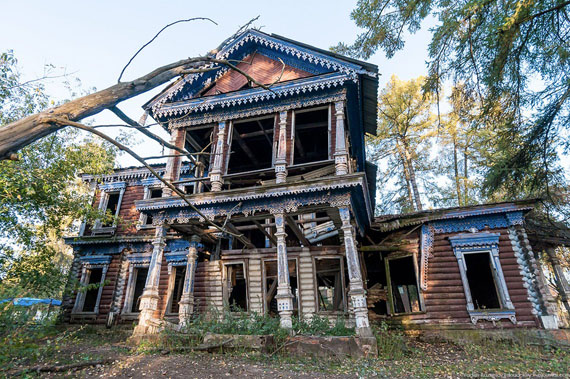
96, 259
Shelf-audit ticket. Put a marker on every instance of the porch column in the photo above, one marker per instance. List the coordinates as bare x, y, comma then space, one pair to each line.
149, 298
281, 159
216, 173
172, 171
186, 308
284, 296
561, 283
356, 289
340, 151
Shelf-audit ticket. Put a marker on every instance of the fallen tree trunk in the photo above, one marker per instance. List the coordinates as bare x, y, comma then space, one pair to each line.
63, 368
18, 134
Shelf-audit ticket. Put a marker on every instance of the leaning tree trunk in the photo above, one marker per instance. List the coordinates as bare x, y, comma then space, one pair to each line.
21, 133
456, 171
413, 180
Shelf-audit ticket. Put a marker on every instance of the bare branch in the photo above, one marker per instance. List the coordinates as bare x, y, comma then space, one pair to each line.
126, 149
156, 35
231, 38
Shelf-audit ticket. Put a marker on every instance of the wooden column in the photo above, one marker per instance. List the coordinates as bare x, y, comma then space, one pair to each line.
216, 172
284, 296
356, 290
149, 298
187, 300
341, 152
172, 171
281, 159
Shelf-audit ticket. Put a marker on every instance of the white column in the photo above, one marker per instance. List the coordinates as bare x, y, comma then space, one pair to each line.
149, 298
340, 151
216, 173
284, 296
186, 304
356, 290
281, 159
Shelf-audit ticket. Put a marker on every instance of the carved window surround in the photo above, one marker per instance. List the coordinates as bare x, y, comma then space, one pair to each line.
135, 261
106, 190
88, 264
149, 185
470, 243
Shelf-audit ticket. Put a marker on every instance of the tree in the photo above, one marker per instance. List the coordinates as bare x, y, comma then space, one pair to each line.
40, 194
404, 121
513, 54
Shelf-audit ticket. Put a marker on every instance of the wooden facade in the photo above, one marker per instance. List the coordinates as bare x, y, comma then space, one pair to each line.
285, 171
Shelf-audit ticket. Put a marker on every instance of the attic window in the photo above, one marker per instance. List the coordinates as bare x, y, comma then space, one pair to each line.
252, 145
311, 134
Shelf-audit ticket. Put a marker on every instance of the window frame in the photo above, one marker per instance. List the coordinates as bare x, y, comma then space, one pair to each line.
264, 279
89, 263
294, 112
107, 190
485, 242
225, 294
149, 186
172, 269
343, 283
136, 261
390, 295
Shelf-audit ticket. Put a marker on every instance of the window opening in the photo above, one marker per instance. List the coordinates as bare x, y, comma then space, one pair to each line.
377, 295
481, 281
330, 284
271, 286
311, 136
252, 145
141, 274
92, 294
236, 287
404, 285
179, 274
112, 205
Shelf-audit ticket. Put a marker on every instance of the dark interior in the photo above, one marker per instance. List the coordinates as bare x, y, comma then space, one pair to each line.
237, 287
154, 193
179, 274
91, 294
376, 281
112, 205
271, 286
139, 288
481, 281
311, 136
252, 145
329, 283
404, 285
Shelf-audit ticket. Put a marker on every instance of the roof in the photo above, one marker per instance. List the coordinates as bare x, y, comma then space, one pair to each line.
323, 61
391, 222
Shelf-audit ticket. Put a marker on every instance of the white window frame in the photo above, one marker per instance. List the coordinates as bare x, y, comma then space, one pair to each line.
293, 130
106, 191
149, 186
225, 294
90, 263
486, 243
136, 261
172, 268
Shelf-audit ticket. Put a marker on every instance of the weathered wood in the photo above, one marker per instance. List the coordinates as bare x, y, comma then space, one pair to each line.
298, 232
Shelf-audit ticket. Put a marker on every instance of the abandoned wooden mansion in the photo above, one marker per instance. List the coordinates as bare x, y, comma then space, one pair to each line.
284, 171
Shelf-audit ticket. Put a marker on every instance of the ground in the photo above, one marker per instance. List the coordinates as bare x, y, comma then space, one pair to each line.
400, 357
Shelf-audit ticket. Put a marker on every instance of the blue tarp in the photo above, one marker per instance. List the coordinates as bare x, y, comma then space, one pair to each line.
29, 301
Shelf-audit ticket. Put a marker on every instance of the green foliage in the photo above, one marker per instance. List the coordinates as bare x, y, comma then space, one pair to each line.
321, 326
391, 343
41, 196
513, 56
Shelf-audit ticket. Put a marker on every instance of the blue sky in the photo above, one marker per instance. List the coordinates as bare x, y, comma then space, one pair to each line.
94, 40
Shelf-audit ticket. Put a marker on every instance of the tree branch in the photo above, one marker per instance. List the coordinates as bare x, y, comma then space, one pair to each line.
156, 35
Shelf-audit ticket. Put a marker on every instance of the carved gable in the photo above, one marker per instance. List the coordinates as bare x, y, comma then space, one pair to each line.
259, 67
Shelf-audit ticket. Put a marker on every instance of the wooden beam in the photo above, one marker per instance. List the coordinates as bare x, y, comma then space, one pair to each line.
255, 134
265, 133
298, 232
298, 145
262, 229
244, 146
243, 238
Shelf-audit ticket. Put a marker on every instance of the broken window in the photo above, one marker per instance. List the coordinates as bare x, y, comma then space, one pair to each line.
236, 287
140, 275
179, 272
330, 284
92, 294
111, 208
270, 267
199, 139
152, 193
252, 145
480, 278
311, 134
402, 277
376, 292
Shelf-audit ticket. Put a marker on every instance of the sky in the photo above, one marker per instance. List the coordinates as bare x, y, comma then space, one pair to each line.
94, 40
